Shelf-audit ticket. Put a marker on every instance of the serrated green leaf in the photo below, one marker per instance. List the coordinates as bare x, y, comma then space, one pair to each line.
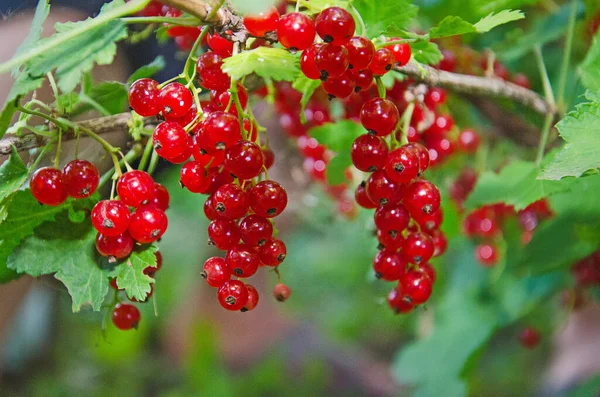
35, 31
492, 20
426, 52
6, 116
337, 136
516, 185
269, 63
130, 274
590, 67
148, 70
307, 87
386, 17
581, 153
13, 174
451, 26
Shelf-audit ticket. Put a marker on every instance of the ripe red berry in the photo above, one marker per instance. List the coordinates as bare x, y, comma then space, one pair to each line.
265, 21
422, 196
148, 224
171, 142
135, 188
390, 240
468, 141
440, 242
268, 157
401, 52
125, 316
233, 295
231, 201
244, 160
215, 271
339, 87
110, 217
530, 337
389, 265
363, 79
382, 62
429, 271
399, 302
331, 60
307, 62
48, 187
361, 197
369, 152
418, 247
210, 75
218, 177
221, 99
81, 178
256, 230
422, 153
402, 165
335, 25
273, 252
209, 160
175, 99
521, 80
360, 52
268, 199
435, 97
296, 31
219, 44
281, 292
194, 177
220, 131
143, 97
150, 271
486, 254
416, 285
448, 62
252, 299
382, 190
114, 246
430, 222
161, 197
379, 116
392, 218
224, 234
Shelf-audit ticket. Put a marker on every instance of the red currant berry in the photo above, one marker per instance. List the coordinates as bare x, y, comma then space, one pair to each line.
135, 188
268, 157
218, 178
486, 254
310, 147
530, 337
256, 230
440, 242
268, 199
242, 261
209, 210
448, 62
244, 160
468, 141
221, 99
171, 141
220, 131
430, 222
521, 80
339, 87
379, 116
401, 52
389, 265
360, 52
442, 124
331, 60
418, 247
175, 99
47, 186
417, 286
335, 25
219, 44
186, 118
194, 177
233, 295
369, 152
81, 178
150, 271
429, 271
390, 240
113, 284
125, 316
143, 97
265, 21
435, 97
148, 224
273, 252
402, 165
209, 160
231, 201
422, 196
161, 197
252, 299
116, 247
421, 152
382, 62
392, 218
110, 217
210, 75
296, 31
363, 80
281, 292
223, 233
215, 272
361, 197
307, 62
382, 190
399, 302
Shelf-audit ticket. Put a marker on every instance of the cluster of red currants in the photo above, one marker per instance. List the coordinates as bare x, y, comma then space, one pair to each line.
51, 186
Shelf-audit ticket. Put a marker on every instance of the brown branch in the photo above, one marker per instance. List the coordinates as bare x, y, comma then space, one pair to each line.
475, 85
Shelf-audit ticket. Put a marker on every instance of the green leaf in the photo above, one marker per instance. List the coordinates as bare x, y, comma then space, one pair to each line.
516, 185
590, 67
451, 26
581, 152
426, 52
307, 87
336, 168
588, 388
35, 31
386, 17
6, 116
252, 6
13, 174
108, 97
148, 70
337, 136
492, 20
316, 6
73, 261
269, 63
130, 275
